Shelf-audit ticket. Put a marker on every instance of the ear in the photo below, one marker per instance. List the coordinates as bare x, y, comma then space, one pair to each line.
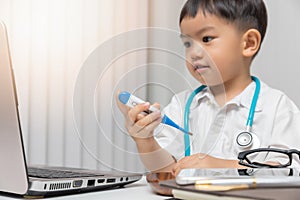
251, 42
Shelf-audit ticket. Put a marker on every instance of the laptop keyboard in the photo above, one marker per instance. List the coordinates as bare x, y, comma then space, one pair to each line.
54, 173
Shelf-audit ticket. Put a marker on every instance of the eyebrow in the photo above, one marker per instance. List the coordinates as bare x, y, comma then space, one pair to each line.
201, 31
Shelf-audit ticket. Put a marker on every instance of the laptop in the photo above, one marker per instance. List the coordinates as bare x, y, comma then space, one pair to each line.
38, 181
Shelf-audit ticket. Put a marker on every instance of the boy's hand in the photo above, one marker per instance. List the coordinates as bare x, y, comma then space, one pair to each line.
194, 161
138, 125
200, 160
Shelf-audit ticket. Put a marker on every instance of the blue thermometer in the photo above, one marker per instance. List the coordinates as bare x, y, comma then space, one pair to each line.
131, 101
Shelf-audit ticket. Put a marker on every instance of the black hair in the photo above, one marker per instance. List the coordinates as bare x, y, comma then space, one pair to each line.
245, 14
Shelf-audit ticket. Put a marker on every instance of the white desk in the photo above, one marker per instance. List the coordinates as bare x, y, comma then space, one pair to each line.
138, 190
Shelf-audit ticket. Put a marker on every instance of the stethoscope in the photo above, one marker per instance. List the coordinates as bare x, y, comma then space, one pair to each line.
245, 139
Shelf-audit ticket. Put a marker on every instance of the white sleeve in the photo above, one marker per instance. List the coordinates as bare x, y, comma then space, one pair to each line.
286, 129
168, 137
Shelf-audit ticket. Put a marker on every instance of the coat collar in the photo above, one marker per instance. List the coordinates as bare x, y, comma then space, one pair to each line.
244, 99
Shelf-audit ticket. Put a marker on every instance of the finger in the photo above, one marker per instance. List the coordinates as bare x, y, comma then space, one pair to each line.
151, 120
181, 164
176, 169
145, 132
134, 112
140, 116
156, 105
148, 130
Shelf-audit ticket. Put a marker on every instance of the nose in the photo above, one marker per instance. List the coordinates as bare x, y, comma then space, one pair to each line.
196, 52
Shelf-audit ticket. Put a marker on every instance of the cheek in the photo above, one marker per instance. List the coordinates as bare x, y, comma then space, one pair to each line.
188, 58
225, 58
189, 65
217, 60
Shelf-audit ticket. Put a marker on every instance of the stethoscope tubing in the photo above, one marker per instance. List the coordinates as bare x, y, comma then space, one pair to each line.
254, 102
186, 119
250, 118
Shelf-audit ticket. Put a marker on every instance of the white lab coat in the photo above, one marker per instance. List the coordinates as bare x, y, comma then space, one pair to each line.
276, 123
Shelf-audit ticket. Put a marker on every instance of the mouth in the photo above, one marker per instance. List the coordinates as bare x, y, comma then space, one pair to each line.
200, 68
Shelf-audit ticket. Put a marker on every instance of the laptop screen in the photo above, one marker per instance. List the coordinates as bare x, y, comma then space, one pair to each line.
13, 174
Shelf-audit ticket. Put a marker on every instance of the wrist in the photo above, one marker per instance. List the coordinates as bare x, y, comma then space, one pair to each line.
147, 145
143, 141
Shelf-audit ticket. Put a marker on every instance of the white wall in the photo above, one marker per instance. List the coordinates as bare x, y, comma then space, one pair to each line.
278, 62
173, 76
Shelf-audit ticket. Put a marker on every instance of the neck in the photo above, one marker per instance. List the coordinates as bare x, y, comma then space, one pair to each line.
229, 89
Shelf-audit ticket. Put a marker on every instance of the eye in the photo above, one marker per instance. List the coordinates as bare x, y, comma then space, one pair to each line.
207, 39
187, 44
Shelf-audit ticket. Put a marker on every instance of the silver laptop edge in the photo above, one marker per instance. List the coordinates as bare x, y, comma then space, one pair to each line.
13, 165
39, 186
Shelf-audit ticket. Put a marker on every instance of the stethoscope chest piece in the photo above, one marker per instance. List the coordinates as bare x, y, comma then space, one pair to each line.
246, 140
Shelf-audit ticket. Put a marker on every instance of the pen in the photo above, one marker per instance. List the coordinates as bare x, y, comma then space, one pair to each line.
131, 101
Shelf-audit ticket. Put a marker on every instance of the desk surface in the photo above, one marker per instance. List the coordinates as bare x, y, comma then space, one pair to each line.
138, 190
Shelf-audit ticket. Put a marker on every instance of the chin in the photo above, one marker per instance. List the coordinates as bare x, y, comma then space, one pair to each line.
210, 81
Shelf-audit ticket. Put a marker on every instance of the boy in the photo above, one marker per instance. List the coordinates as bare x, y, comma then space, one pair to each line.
229, 33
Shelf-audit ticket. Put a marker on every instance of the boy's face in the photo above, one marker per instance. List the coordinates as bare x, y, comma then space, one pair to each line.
213, 49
